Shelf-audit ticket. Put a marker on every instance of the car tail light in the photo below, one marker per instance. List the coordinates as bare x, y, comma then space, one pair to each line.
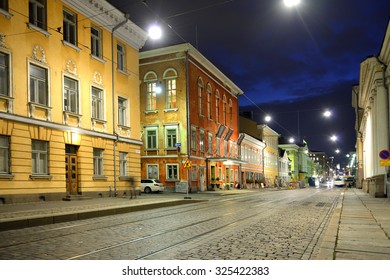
156, 185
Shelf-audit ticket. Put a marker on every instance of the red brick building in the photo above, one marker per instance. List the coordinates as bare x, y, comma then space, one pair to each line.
194, 118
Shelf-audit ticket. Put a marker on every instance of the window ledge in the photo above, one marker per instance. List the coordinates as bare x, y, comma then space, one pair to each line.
172, 180
99, 178
41, 177
98, 58
151, 112
171, 110
6, 14
40, 30
123, 72
65, 43
7, 176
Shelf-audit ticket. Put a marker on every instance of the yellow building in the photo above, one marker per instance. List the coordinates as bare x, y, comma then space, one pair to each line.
62, 130
271, 153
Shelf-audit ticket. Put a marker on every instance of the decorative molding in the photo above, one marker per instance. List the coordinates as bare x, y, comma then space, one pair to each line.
97, 78
2, 41
39, 54
71, 67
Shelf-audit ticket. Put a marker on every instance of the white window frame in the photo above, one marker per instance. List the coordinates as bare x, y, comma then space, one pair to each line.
98, 162
36, 79
69, 27
5, 81
40, 157
67, 91
147, 130
98, 110
209, 99
193, 139
150, 80
5, 155
122, 164
200, 95
210, 143
38, 17
121, 57
152, 167
172, 167
96, 42
123, 105
170, 78
168, 144
217, 99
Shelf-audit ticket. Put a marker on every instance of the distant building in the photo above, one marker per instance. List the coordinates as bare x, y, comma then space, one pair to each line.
69, 110
194, 117
320, 160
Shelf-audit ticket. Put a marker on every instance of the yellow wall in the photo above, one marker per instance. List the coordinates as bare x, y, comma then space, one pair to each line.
49, 124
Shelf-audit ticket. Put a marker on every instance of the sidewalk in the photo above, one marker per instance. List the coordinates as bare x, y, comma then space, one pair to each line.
359, 229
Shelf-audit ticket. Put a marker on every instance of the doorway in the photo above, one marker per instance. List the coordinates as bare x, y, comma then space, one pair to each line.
71, 170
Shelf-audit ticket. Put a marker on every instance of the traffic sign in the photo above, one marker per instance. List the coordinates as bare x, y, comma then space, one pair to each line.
385, 162
384, 154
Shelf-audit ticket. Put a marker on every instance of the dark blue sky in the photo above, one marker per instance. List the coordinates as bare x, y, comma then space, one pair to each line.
285, 60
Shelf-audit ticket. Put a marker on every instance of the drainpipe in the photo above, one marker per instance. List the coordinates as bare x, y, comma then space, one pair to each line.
188, 120
384, 68
113, 92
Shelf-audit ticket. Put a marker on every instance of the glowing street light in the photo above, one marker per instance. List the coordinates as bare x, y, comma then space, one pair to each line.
333, 138
291, 140
337, 151
268, 118
155, 32
291, 3
327, 114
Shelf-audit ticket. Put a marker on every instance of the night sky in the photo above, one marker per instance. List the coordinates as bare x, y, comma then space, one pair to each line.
291, 63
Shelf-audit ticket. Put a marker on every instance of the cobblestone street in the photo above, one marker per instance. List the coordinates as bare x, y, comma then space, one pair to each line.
275, 225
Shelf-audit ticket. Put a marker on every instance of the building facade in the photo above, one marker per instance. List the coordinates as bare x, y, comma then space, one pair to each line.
371, 102
69, 99
271, 154
190, 127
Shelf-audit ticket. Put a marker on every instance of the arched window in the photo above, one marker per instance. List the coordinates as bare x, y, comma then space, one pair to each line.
170, 78
209, 92
150, 80
224, 109
217, 105
200, 96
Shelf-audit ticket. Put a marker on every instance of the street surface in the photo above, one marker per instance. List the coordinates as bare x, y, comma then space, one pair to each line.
271, 225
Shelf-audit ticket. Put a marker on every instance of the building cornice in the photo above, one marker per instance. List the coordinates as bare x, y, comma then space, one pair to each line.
105, 15
195, 54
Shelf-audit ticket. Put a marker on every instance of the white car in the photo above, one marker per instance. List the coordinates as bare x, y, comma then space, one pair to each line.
339, 182
151, 185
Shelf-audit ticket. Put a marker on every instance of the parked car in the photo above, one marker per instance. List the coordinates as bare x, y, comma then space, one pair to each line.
339, 182
151, 185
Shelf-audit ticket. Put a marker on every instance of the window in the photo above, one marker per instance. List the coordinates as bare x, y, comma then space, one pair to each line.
171, 137
70, 27
209, 91
172, 172
171, 93
170, 76
122, 164
4, 74
150, 79
37, 13
193, 138
4, 5
152, 170
96, 42
97, 104
217, 106
201, 141
71, 95
38, 85
200, 96
210, 143
121, 57
230, 113
39, 157
218, 146
151, 138
97, 162
122, 111
224, 109
151, 97
4, 155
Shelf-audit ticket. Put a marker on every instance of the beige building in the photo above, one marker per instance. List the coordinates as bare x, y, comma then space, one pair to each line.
371, 102
69, 99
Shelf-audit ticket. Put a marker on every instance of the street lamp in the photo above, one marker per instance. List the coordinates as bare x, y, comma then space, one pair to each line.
268, 118
291, 3
327, 114
155, 32
333, 138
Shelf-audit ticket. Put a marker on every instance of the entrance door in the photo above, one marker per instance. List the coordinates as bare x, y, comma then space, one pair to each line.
202, 178
71, 170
